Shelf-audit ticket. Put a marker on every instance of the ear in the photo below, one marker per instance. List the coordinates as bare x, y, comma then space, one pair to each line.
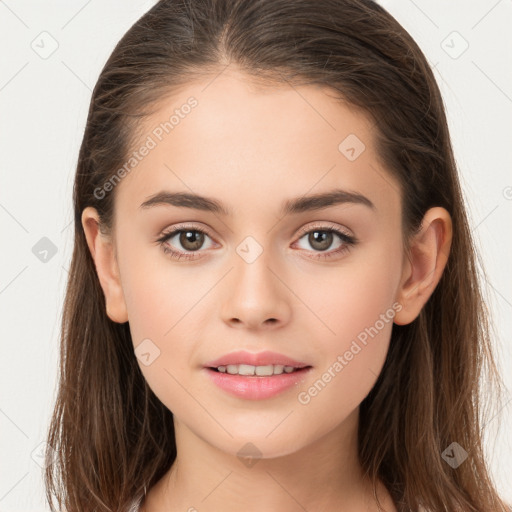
102, 251
423, 267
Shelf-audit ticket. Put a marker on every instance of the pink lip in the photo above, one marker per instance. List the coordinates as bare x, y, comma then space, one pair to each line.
254, 387
255, 359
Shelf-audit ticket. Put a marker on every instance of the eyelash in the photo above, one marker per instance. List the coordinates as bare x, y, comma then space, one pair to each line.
348, 241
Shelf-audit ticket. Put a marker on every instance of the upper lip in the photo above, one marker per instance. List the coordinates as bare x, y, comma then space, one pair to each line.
255, 359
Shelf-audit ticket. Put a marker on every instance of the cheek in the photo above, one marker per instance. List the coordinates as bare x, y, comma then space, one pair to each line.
356, 305
352, 296
163, 301
157, 291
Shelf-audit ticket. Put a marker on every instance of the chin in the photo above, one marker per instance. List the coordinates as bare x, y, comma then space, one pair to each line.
260, 445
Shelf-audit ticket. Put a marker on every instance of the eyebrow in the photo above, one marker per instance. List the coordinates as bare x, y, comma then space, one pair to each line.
291, 206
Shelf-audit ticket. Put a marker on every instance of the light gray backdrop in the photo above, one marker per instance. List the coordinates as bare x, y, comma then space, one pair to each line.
52, 53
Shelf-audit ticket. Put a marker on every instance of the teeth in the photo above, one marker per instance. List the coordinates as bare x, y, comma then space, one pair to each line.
248, 369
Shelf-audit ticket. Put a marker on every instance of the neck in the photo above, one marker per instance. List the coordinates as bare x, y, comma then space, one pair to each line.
325, 475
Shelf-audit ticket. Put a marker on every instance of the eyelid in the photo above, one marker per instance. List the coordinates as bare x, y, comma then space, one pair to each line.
321, 225
184, 226
302, 231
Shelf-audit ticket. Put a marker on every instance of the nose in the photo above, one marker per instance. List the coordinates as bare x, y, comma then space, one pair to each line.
256, 295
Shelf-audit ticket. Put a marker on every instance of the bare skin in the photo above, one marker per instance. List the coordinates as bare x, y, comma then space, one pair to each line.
252, 150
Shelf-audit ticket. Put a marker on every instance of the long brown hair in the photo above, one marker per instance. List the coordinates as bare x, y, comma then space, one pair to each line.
111, 436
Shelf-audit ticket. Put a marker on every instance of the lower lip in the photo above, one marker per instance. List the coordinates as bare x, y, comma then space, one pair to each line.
254, 387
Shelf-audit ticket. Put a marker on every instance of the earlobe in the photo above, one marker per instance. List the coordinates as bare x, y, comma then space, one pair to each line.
102, 251
424, 266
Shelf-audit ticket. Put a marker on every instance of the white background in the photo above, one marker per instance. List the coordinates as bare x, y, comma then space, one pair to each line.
43, 108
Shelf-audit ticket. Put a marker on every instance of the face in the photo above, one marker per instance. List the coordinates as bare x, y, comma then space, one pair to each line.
316, 282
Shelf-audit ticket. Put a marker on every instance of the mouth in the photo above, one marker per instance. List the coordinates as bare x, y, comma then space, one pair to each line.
256, 376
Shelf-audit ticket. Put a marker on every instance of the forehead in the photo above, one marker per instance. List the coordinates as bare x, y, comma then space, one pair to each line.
226, 137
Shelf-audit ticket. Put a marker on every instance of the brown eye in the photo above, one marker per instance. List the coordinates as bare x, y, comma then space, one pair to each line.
183, 242
320, 240
191, 240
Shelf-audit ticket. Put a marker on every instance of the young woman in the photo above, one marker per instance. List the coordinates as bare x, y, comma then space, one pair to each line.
272, 301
